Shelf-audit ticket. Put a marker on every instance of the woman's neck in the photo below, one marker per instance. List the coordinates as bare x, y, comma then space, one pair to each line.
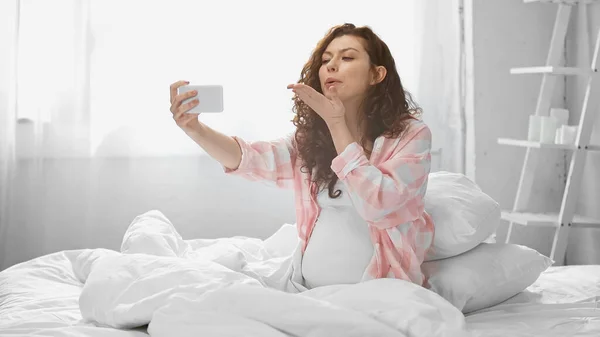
352, 121
352, 108
357, 133
353, 126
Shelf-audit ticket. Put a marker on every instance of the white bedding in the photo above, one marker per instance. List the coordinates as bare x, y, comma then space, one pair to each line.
227, 287
564, 301
222, 287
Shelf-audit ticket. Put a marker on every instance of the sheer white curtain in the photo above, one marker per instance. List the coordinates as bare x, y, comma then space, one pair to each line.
8, 29
88, 79
439, 85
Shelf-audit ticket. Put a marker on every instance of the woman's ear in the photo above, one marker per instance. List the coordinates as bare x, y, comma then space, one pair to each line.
379, 75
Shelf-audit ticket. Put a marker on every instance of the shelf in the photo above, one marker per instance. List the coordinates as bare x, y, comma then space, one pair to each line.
546, 219
568, 2
552, 71
539, 145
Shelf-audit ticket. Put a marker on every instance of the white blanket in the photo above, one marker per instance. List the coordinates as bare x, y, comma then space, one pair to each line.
242, 286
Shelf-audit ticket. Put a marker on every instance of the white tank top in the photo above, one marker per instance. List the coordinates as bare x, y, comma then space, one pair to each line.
340, 248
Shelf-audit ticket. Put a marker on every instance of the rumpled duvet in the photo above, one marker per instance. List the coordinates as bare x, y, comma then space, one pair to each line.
242, 286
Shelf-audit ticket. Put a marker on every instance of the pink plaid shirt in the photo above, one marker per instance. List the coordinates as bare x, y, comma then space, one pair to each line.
387, 190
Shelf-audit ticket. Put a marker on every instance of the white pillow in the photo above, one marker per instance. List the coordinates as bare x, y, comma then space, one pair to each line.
463, 215
485, 276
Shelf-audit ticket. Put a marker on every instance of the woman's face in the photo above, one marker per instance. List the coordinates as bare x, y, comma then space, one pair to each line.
345, 65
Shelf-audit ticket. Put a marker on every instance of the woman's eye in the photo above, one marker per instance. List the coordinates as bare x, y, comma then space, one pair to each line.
346, 58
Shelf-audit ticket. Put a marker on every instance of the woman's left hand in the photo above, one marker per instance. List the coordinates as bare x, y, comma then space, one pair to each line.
330, 108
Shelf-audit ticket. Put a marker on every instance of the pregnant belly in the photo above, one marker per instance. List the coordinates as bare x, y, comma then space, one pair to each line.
338, 252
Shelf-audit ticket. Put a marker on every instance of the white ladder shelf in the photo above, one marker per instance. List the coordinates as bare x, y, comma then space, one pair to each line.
565, 218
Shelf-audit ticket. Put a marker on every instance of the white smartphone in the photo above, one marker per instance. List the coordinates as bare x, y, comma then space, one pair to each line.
210, 97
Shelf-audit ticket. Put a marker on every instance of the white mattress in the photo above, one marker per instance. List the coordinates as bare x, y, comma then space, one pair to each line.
564, 301
40, 297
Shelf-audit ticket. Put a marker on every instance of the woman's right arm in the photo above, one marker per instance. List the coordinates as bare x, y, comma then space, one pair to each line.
219, 146
262, 160
222, 148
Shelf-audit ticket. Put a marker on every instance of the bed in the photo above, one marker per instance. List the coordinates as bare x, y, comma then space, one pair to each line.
564, 301
57, 294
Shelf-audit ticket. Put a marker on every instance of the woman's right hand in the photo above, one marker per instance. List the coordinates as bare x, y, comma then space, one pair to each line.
187, 122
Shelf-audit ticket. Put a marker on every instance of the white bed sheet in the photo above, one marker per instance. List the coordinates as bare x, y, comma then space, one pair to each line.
564, 301
41, 297
221, 287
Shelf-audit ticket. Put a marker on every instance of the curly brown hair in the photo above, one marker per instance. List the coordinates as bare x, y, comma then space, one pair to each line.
386, 110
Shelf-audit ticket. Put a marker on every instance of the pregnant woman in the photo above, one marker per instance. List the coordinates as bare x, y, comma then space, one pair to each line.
358, 162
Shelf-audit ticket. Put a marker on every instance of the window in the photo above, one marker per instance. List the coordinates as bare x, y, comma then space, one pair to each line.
105, 65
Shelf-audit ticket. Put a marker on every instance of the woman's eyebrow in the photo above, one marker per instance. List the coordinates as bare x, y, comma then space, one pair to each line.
341, 50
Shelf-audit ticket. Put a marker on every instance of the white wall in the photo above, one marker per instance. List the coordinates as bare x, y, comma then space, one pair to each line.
501, 35
510, 33
83, 203
89, 203
584, 244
